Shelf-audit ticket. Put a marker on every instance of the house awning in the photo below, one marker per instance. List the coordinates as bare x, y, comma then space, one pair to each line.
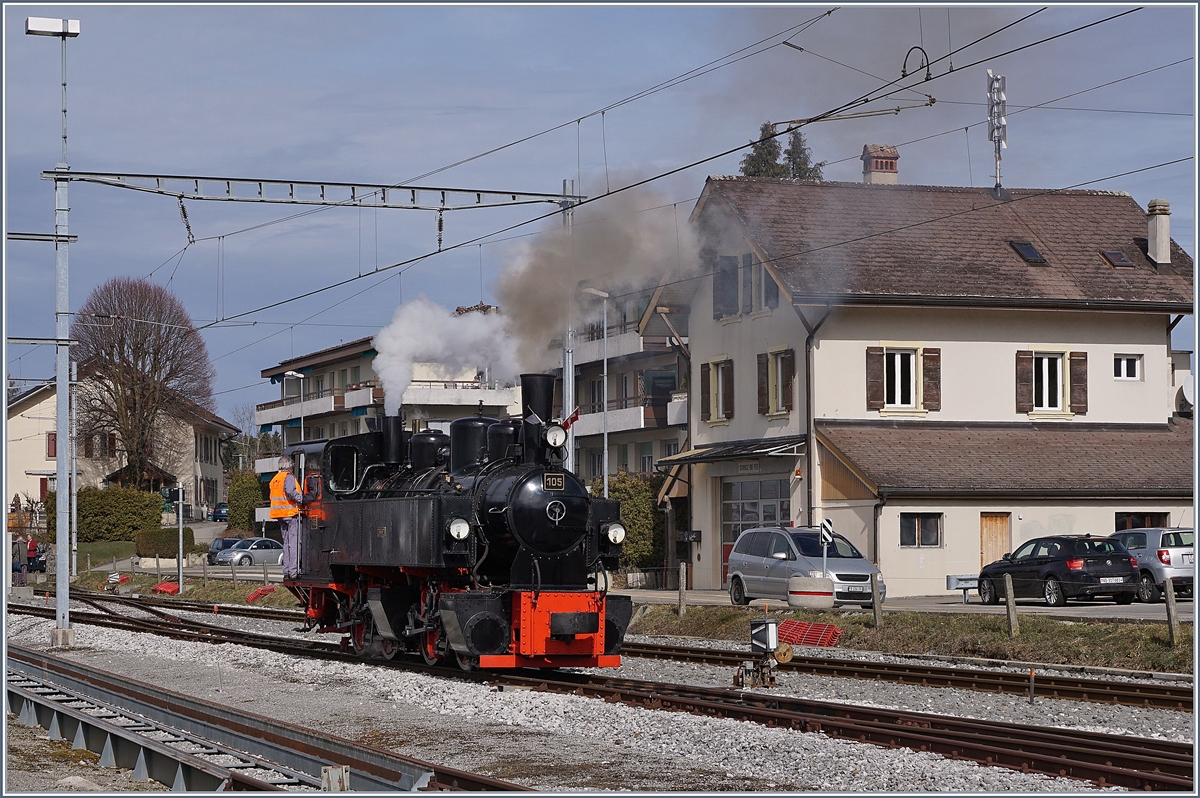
784, 446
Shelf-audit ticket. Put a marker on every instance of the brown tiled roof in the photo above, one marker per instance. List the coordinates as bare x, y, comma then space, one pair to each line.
1031, 459
363, 344
854, 242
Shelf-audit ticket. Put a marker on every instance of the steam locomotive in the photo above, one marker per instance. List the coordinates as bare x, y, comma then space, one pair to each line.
476, 546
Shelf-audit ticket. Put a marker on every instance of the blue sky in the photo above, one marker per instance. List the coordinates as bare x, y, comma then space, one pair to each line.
384, 94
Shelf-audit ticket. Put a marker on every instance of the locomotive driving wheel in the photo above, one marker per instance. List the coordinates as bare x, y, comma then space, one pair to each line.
467, 662
430, 642
360, 636
388, 648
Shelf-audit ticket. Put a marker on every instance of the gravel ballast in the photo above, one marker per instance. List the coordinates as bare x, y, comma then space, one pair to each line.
553, 742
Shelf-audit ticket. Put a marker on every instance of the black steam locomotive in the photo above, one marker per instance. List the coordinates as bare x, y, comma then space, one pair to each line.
478, 545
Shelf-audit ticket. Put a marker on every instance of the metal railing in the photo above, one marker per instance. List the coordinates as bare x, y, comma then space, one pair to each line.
595, 332
621, 403
310, 395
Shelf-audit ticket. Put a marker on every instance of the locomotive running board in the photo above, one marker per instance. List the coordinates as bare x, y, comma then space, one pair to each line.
550, 661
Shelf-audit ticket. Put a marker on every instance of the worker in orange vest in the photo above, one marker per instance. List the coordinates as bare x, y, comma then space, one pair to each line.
286, 499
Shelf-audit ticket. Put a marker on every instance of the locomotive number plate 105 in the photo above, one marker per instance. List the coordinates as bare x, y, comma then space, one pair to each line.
554, 482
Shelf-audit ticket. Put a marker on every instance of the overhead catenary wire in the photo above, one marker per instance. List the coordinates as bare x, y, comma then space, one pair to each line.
862, 99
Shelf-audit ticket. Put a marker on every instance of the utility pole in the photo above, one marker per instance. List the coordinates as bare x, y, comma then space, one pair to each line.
62, 634
568, 379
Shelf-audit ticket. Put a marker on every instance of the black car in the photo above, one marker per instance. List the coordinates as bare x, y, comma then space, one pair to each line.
219, 545
1063, 566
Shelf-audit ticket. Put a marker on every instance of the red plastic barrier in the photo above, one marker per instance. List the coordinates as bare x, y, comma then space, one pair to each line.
802, 633
259, 593
170, 588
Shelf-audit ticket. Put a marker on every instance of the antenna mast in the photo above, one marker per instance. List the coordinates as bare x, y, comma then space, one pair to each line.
997, 116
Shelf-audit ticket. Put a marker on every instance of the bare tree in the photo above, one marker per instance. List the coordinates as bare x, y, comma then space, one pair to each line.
246, 442
145, 365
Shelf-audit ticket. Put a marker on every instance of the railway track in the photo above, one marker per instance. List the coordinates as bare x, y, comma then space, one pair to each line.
1156, 695
190, 744
1107, 760
1160, 696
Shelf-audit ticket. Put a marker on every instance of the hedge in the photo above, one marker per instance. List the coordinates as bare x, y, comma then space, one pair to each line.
245, 493
110, 514
644, 523
162, 542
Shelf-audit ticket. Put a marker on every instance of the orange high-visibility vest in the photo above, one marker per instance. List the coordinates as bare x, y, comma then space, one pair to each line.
281, 505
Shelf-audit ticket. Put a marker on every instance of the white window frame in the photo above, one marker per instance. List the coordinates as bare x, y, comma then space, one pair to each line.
1122, 362
894, 385
1041, 361
775, 397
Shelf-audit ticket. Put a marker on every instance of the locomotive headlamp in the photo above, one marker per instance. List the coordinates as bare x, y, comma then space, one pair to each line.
459, 528
556, 436
616, 534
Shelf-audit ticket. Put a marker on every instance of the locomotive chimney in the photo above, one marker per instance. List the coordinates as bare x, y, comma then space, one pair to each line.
393, 439
537, 403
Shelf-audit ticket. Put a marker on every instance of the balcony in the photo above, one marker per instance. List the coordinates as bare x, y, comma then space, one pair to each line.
630, 413
420, 393
316, 403
620, 344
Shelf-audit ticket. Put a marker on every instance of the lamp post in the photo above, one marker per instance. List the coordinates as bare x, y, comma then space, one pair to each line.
604, 388
62, 634
295, 375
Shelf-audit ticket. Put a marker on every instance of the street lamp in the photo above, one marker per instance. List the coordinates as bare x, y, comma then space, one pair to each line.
295, 375
604, 390
62, 634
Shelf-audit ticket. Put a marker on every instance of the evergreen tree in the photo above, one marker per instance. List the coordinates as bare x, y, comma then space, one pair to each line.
763, 158
797, 159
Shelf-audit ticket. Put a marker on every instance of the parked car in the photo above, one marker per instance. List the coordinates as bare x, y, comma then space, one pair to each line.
1161, 554
221, 512
764, 559
1061, 567
219, 545
252, 551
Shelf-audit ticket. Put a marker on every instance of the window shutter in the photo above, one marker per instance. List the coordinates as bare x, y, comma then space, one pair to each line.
874, 377
764, 405
112, 444
770, 290
705, 392
787, 365
727, 388
747, 283
1024, 381
1079, 402
88, 446
931, 379
725, 287
51, 444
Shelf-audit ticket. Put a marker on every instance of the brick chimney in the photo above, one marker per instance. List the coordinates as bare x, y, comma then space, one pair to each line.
1158, 237
879, 164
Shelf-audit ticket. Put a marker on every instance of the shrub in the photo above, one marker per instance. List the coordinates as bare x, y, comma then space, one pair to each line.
245, 492
162, 541
110, 514
643, 522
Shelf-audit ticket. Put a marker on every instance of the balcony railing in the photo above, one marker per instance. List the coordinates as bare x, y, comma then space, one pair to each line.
639, 400
377, 396
459, 385
594, 332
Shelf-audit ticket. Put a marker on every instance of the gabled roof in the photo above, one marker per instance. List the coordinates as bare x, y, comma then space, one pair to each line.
857, 243
361, 346
1017, 459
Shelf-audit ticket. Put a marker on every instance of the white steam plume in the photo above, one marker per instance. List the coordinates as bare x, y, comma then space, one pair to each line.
627, 243
422, 331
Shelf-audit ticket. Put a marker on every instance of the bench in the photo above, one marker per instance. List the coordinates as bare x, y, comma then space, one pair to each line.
963, 582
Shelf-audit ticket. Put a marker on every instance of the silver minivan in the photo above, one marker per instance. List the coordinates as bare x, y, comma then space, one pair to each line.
764, 559
1161, 554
